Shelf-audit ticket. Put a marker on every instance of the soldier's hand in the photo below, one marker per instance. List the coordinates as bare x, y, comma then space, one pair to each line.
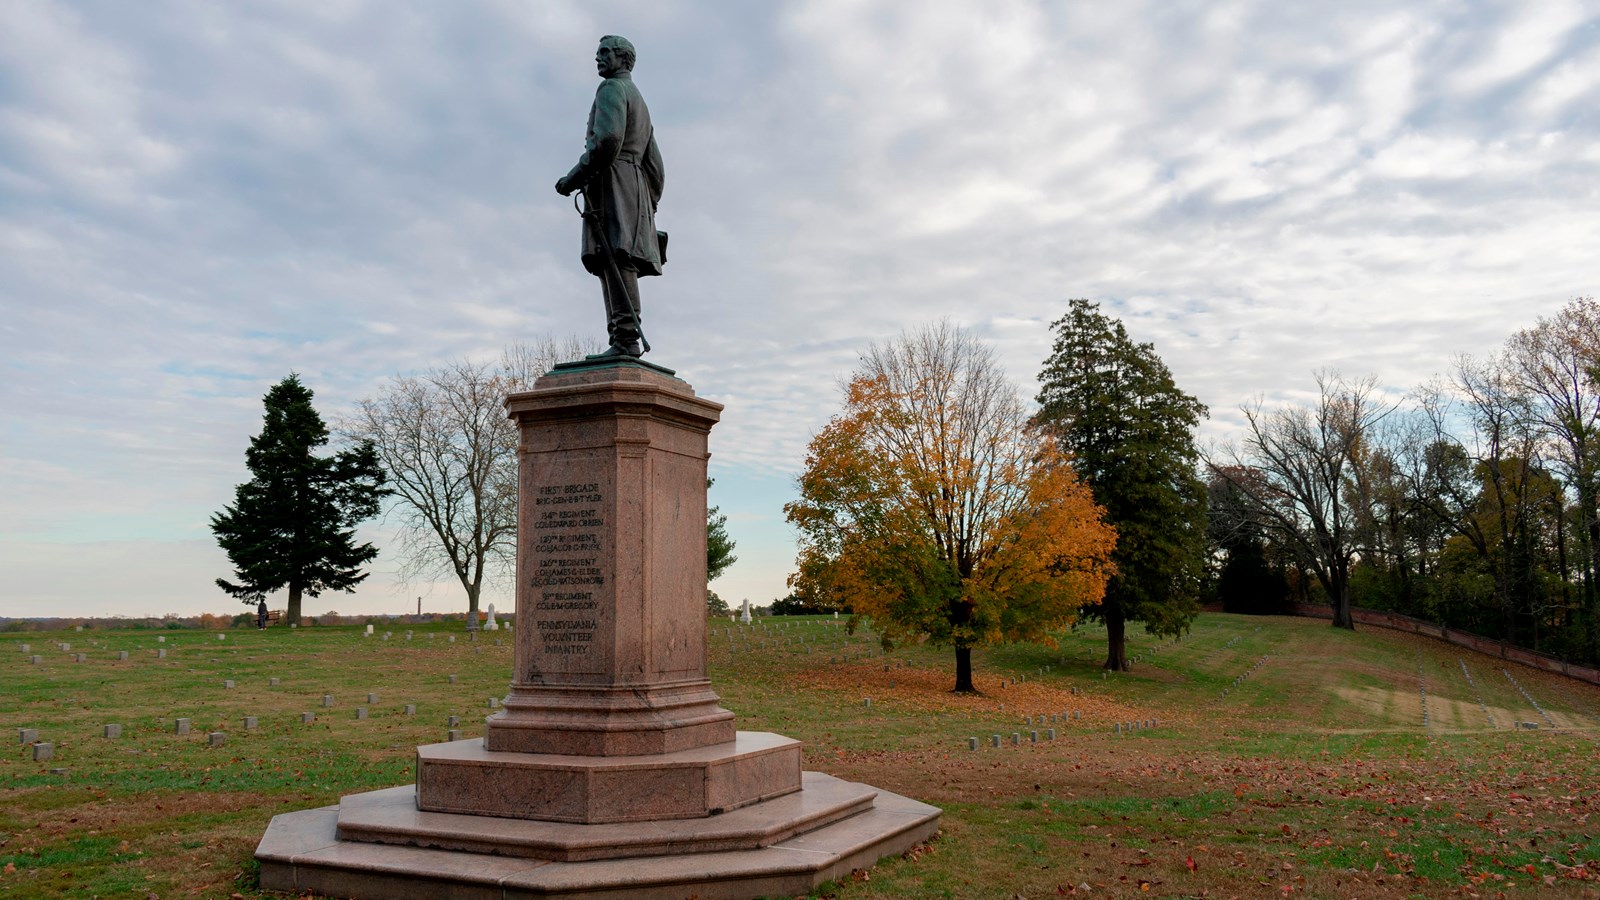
565, 187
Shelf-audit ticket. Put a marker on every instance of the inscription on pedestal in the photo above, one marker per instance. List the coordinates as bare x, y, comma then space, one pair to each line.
567, 549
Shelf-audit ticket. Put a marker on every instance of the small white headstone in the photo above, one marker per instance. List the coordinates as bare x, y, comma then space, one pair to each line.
491, 625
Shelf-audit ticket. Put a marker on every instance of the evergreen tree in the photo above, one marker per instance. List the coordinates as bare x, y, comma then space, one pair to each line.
292, 525
1114, 406
719, 546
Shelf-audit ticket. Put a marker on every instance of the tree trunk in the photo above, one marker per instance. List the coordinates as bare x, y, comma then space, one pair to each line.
964, 671
472, 608
1116, 639
293, 613
960, 613
1561, 558
1341, 605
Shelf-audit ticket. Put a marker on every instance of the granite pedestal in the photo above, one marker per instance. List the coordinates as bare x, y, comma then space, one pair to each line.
611, 770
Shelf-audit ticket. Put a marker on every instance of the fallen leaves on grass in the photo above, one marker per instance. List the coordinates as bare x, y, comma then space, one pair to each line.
927, 691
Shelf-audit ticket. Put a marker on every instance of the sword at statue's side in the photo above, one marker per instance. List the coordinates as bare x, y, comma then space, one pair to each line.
591, 217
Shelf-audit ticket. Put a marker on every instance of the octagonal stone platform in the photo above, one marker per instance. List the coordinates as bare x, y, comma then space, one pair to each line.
303, 851
391, 817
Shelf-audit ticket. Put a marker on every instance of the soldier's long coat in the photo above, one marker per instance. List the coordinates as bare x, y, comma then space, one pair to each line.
622, 176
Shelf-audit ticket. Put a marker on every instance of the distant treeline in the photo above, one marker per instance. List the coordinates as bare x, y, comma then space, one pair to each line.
204, 621
1473, 502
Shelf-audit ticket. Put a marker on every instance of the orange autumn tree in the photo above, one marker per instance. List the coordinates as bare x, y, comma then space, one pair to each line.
931, 506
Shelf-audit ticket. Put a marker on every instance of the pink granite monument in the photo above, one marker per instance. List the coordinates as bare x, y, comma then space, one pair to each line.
611, 770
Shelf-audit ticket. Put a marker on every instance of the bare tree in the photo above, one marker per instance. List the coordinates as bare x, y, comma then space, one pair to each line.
1484, 488
1555, 363
1307, 481
451, 457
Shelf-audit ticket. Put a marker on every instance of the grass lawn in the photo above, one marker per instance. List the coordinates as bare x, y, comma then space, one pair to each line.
1256, 757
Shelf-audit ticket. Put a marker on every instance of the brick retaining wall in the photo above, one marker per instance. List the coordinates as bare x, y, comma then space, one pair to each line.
1459, 638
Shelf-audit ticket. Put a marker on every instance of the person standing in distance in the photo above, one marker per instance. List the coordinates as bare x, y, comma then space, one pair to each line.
621, 176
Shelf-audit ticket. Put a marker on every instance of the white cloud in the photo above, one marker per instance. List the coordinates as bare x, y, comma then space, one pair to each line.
1534, 35
199, 198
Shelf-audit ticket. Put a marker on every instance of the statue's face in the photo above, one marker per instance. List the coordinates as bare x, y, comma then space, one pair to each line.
609, 62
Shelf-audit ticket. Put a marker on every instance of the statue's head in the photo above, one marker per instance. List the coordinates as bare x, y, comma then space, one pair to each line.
615, 55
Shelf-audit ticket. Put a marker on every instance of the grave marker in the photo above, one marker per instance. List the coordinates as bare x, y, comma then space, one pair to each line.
180, 726
43, 751
113, 731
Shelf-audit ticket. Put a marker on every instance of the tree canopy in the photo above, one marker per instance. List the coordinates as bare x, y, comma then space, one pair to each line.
451, 454
292, 525
1115, 408
931, 506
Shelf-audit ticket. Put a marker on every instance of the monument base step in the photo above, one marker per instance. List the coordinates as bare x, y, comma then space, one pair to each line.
303, 852
392, 817
467, 778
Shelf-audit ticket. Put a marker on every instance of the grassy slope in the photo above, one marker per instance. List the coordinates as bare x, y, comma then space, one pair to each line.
1315, 775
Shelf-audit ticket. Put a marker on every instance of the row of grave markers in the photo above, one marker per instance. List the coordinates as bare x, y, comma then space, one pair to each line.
182, 725
45, 750
1240, 679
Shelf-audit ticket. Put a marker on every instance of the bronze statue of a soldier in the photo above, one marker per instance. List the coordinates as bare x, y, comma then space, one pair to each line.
621, 176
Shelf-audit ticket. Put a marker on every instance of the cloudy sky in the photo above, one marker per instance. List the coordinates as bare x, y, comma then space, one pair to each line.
198, 198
